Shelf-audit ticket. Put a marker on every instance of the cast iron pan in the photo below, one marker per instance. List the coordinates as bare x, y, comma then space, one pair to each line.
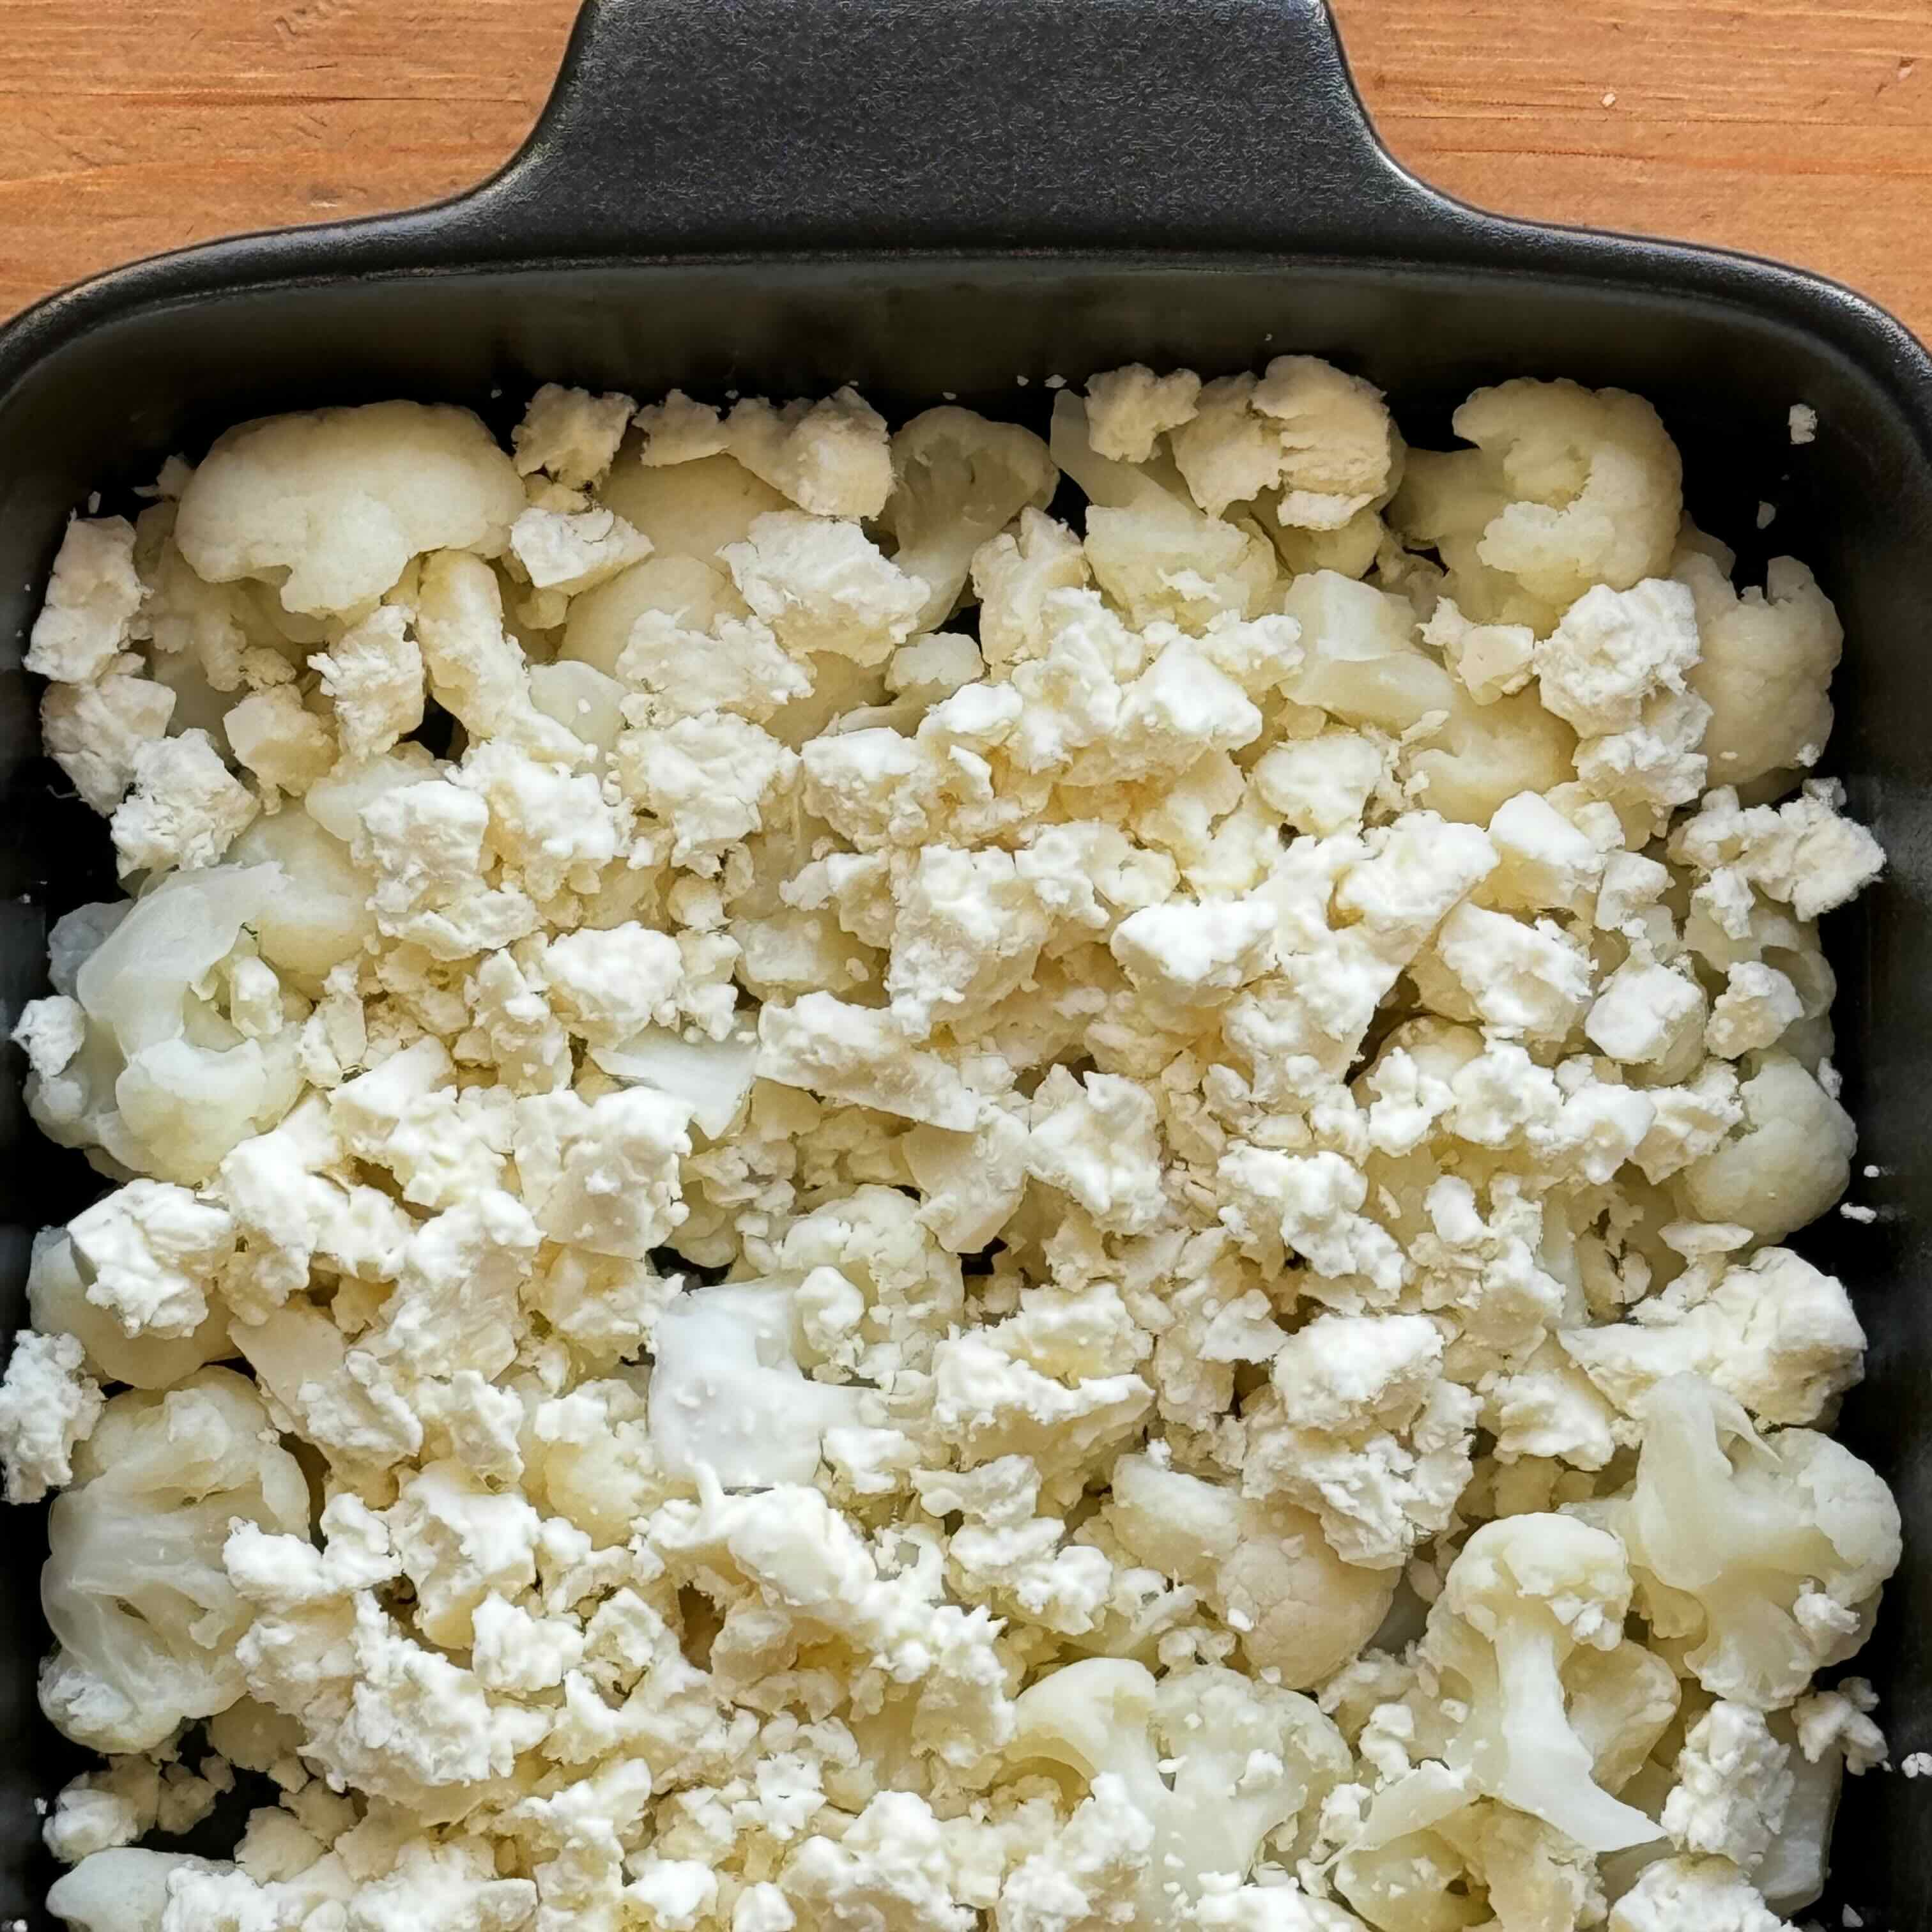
782, 195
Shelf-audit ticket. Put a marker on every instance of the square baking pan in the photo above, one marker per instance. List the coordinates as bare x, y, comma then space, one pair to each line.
973, 197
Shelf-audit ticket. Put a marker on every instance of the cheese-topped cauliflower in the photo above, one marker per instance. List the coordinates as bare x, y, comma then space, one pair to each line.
842, 1196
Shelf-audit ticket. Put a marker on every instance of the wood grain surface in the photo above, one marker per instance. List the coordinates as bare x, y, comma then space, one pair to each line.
1799, 128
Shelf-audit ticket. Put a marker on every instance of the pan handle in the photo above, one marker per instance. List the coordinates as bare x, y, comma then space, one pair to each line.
720, 126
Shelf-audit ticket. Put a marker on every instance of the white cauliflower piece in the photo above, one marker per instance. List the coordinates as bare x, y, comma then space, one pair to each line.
1586, 486
92, 598
275, 737
1644, 1013
1765, 671
1128, 408
1014, 575
1489, 660
968, 931
864, 1058
334, 505
679, 430
727, 1396
1266, 1568
1324, 439
1791, 1160
1246, 1760
1758, 1005
1309, 1205
1767, 1551
1322, 784
959, 481
604, 1175
1520, 978
144, 1619
1360, 661
736, 666
1523, 1595
711, 779
1189, 953
148, 1253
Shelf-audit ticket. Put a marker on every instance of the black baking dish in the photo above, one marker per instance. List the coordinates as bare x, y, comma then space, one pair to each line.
783, 195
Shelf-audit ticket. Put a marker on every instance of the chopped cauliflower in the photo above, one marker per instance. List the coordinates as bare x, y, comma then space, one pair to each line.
881, 1162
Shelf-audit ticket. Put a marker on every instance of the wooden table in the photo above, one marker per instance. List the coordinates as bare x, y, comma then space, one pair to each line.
1801, 128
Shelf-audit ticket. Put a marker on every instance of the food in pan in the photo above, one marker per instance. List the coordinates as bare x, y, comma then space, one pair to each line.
918, 1179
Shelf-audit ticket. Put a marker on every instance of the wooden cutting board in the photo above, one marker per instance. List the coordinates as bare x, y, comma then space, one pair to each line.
1798, 128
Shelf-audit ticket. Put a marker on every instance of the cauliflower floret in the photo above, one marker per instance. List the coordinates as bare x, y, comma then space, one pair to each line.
143, 1617
1758, 1005
1097, 1140
1791, 1160
1196, 952
711, 779
1153, 552
1766, 667
185, 808
1246, 1760
334, 505
1322, 784
571, 434
1324, 439
1266, 1568
274, 735
604, 1175
1014, 575
1360, 661
1359, 1427
148, 1252
727, 1397
1578, 487
1767, 1551
1519, 979
863, 1057
1128, 409
959, 481
97, 732
1521, 1596
1489, 660
1644, 1013
679, 430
